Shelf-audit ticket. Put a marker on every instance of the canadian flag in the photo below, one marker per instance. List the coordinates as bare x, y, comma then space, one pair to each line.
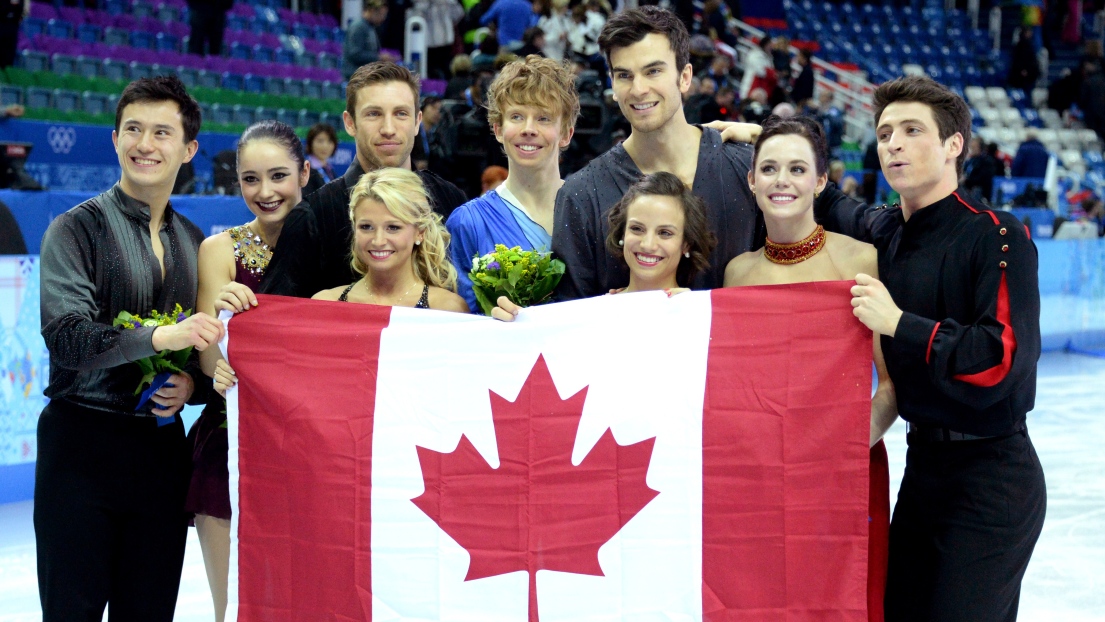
629, 457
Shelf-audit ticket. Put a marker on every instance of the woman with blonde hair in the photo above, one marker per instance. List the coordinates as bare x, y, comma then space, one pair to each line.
399, 246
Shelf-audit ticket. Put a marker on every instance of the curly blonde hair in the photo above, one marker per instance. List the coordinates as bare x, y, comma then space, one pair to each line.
403, 194
535, 81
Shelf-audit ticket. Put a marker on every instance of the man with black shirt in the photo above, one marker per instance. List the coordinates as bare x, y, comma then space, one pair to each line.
382, 116
111, 478
959, 319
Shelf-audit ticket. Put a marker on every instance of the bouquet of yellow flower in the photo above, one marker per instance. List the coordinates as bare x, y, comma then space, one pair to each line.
525, 277
156, 369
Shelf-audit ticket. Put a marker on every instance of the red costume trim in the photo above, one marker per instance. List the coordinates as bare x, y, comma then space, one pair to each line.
997, 373
928, 350
992, 215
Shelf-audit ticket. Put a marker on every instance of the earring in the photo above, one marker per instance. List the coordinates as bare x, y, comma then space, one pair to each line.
687, 255
753, 193
621, 242
417, 242
816, 194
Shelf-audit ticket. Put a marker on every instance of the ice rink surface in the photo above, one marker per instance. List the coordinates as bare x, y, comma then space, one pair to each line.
1065, 580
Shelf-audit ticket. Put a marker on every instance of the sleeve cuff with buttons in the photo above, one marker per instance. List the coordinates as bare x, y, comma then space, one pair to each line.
913, 338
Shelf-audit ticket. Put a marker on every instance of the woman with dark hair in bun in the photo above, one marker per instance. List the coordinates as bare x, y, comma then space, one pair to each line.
272, 171
789, 170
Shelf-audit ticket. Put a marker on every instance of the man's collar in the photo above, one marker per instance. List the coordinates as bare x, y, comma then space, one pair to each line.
135, 208
353, 173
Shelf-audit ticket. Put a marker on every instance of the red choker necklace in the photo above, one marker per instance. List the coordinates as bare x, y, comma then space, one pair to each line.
798, 251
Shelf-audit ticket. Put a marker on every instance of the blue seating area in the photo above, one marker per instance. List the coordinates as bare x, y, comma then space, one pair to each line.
880, 39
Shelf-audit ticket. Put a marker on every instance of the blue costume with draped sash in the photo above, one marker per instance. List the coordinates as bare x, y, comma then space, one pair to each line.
478, 225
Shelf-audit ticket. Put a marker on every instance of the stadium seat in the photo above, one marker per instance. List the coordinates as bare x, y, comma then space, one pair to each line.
1072, 161
34, 61
168, 13
189, 76
138, 70
245, 115
207, 79
990, 116
63, 64
31, 27
166, 42
253, 83
1031, 118
89, 33
116, 36
284, 56
265, 114
1050, 118
262, 54
1011, 117
287, 116
998, 96
142, 9
293, 87
328, 61
1089, 139
231, 81
1039, 97
307, 118
38, 97
334, 90
60, 28
10, 94
1048, 137
95, 103
89, 66
312, 89
221, 114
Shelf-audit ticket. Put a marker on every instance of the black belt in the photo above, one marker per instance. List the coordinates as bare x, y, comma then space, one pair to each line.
928, 433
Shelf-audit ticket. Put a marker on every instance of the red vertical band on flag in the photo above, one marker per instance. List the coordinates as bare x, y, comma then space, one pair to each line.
997, 373
786, 426
305, 401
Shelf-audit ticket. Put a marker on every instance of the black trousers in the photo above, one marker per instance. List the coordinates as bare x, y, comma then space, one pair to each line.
967, 518
109, 517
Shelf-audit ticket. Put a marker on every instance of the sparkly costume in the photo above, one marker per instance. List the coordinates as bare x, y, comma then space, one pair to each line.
209, 492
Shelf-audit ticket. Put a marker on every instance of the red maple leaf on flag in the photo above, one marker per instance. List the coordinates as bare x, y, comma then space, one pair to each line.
536, 511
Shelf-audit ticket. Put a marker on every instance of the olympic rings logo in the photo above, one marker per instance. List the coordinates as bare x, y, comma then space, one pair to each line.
61, 139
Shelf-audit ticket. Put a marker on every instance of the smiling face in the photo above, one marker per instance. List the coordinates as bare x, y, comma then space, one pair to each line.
647, 84
151, 147
270, 179
531, 136
917, 164
384, 126
382, 242
784, 177
653, 242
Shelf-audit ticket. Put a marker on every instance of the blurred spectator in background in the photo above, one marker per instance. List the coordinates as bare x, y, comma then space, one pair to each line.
1024, 68
492, 177
1002, 161
701, 97
556, 26
362, 41
322, 141
583, 40
433, 149
720, 108
871, 169
803, 84
714, 23
754, 109
461, 68
483, 59
1064, 91
978, 171
208, 22
780, 59
759, 70
533, 42
784, 110
850, 187
511, 19
1092, 98
1031, 159
11, 13
832, 119
721, 71
836, 171
441, 25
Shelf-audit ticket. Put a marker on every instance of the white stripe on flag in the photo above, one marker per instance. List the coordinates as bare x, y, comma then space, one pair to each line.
433, 387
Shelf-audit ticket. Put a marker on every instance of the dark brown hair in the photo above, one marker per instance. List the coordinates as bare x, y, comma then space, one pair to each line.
948, 109
629, 27
321, 128
159, 89
700, 241
277, 132
378, 72
803, 126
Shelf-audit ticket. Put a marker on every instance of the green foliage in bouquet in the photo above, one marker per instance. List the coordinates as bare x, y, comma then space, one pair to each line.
166, 360
527, 278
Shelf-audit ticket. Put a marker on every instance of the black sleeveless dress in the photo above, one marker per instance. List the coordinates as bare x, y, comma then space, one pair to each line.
423, 301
